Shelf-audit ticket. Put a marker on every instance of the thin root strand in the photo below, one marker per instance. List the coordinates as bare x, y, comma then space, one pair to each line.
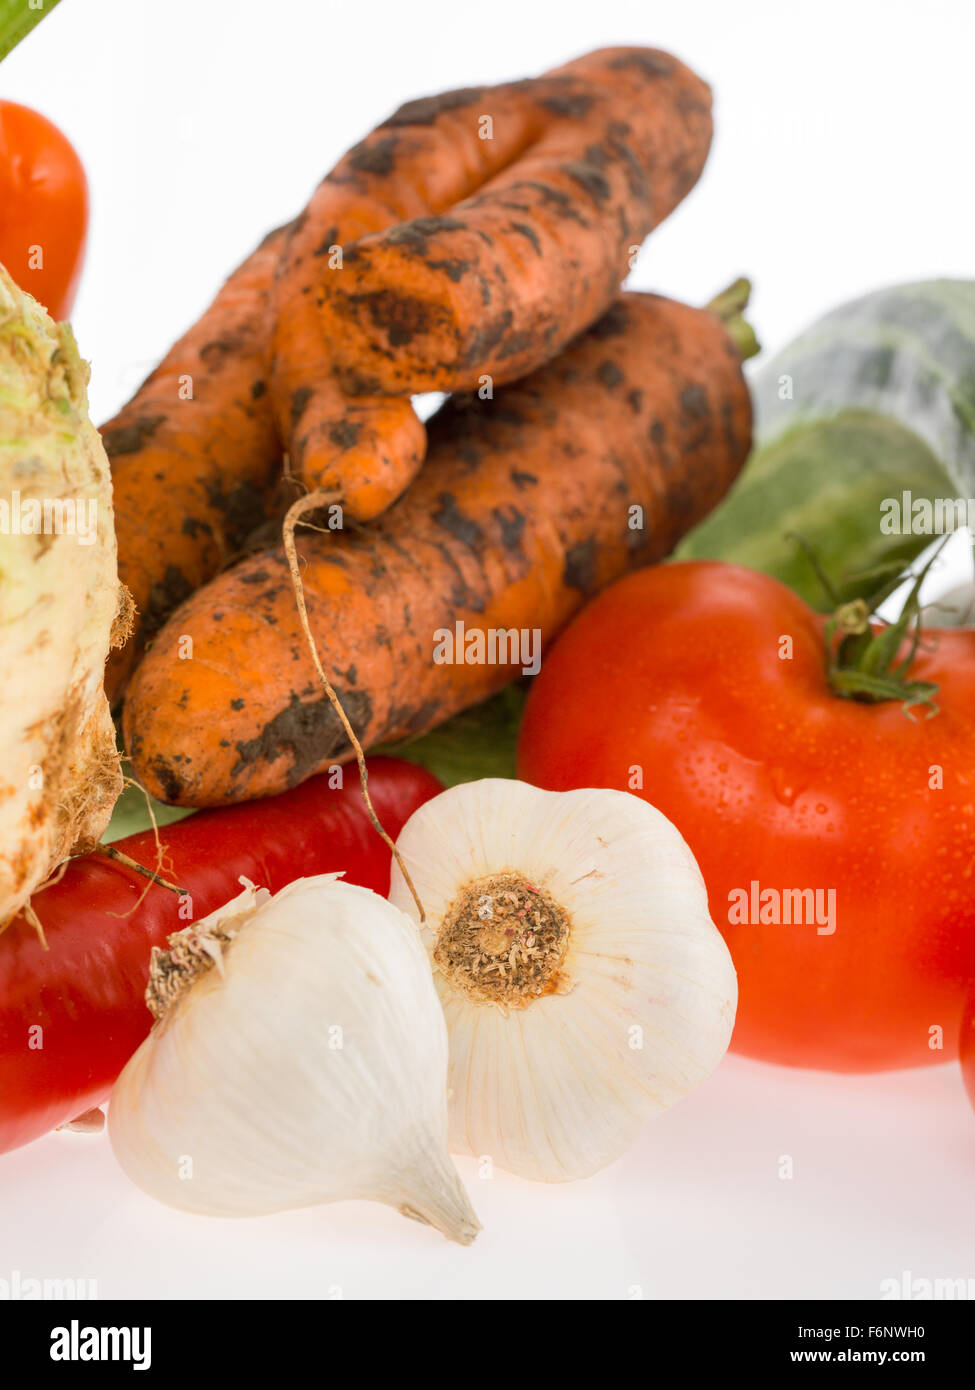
311, 502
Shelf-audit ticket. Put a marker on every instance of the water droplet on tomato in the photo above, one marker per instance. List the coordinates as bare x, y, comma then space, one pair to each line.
783, 786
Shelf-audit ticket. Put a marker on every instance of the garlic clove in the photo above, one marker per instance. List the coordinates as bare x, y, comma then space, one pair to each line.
553, 1074
312, 1069
439, 1199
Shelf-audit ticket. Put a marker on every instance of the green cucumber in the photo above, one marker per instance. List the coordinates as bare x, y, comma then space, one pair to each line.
874, 400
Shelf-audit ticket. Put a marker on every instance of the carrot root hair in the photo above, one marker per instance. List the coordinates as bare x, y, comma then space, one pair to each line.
131, 863
312, 501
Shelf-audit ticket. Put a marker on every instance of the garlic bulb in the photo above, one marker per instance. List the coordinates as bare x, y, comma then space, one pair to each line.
584, 984
299, 1056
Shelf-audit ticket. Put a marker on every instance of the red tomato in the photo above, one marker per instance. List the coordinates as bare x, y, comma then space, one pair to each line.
72, 1015
43, 208
966, 1047
707, 683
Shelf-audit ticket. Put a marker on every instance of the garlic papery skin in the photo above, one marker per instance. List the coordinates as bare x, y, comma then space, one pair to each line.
629, 1001
299, 1057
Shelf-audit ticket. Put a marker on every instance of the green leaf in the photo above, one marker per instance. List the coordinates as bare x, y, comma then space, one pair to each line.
18, 18
479, 742
131, 814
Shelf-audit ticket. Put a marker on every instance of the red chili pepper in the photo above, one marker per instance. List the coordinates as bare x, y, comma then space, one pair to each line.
43, 208
71, 1016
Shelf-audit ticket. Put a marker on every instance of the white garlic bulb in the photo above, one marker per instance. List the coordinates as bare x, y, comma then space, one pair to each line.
299, 1056
584, 984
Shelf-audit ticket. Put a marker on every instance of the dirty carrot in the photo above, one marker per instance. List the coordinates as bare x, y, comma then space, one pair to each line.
257, 367
431, 153
528, 504
202, 425
528, 138
198, 436
499, 283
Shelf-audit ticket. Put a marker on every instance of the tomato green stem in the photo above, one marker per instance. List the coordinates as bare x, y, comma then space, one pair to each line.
18, 18
862, 652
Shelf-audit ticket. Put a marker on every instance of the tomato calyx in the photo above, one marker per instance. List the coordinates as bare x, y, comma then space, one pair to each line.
863, 659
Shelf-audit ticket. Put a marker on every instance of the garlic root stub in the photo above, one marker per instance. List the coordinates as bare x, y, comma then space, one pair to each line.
584, 984
61, 604
299, 1056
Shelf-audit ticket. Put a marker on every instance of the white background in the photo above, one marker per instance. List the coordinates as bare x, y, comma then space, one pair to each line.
842, 162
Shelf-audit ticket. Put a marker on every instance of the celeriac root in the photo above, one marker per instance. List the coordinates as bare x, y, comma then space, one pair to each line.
61, 604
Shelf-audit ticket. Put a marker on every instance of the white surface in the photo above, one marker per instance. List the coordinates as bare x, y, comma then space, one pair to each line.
882, 1184
842, 162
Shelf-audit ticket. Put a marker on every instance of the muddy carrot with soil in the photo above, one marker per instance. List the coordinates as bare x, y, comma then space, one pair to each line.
513, 208
506, 277
203, 425
198, 436
529, 503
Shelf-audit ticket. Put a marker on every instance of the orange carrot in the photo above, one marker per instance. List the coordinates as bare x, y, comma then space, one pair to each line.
195, 455
528, 504
604, 148
423, 158
202, 425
